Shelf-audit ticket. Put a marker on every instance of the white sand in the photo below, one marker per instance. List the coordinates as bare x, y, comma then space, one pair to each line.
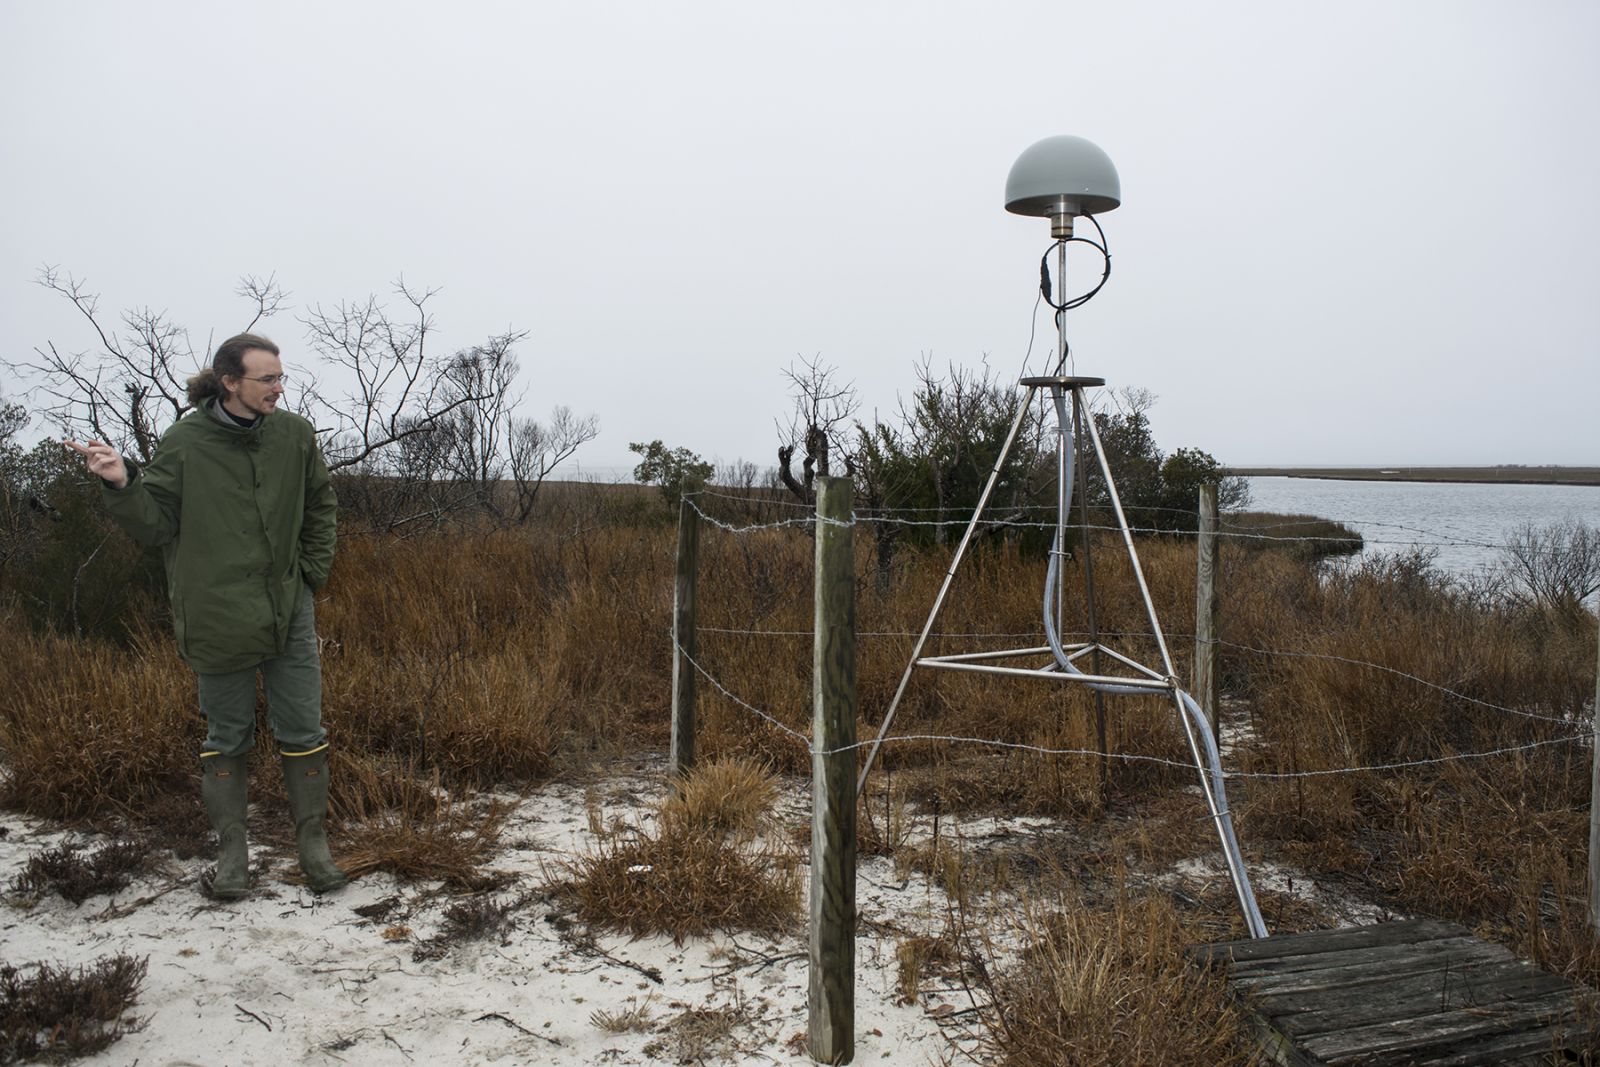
287, 977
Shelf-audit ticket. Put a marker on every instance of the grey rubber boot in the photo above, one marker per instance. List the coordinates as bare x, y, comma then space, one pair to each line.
224, 789
305, 779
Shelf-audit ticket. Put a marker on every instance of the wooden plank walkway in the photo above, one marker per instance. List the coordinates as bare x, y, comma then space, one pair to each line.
1419, 992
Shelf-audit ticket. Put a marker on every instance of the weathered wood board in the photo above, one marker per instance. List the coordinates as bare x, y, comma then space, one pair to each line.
1420, 992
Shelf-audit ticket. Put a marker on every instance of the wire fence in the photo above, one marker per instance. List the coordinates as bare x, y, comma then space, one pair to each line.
1012, 519
1576, 730
990, 742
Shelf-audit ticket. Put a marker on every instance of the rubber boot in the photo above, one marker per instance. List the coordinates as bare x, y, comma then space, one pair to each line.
305, 779
224, 789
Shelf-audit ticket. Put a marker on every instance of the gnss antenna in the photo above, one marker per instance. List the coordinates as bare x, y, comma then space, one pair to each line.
1063, 179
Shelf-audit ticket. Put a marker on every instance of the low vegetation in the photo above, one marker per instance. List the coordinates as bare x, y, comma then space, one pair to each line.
1103, 986
77, 873
702, 862
53, 1014
472, 657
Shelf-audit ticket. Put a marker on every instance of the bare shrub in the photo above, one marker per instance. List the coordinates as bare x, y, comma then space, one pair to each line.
478, 918
76, 874
58, 1013
130, 385
1555, 566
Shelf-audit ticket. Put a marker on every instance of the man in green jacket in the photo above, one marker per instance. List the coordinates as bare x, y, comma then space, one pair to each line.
237, 496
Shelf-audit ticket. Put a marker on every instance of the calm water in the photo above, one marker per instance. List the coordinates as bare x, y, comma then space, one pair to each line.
1392, 516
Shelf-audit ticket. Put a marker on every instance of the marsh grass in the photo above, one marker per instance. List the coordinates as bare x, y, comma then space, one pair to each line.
428, 834
460, 660
633, 1019
1107, 985
1304, 537
702, 863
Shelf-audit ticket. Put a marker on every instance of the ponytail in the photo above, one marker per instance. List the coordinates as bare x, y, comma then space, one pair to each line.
228, 361
203, 386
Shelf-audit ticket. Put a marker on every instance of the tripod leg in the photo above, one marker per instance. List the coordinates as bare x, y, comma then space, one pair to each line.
1206, 762
944, 588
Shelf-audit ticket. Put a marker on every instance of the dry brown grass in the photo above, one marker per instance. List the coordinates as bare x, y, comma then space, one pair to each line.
1108, 986
699, 1035
633, 1019
920, 957
727, 798
428, 835
700, 864
457, 660
93, 731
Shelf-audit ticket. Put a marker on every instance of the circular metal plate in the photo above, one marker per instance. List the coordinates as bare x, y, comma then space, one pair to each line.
1066, 380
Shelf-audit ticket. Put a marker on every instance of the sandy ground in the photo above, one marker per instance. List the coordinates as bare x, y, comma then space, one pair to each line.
285, 976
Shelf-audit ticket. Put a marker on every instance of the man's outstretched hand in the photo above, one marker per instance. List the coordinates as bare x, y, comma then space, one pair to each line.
103, 460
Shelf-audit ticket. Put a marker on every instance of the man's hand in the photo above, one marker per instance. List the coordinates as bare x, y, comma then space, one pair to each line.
103, 461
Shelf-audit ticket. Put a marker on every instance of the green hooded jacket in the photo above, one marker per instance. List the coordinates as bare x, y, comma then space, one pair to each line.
245, 518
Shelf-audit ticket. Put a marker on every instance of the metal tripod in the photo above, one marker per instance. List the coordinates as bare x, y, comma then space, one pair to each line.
1062, 666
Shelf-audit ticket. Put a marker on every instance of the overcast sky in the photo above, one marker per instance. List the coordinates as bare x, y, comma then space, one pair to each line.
1350, 233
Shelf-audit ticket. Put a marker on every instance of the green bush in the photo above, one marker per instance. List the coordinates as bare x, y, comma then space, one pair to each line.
62, 561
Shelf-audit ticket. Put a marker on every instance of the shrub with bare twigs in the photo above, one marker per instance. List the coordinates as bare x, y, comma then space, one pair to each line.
56, 1013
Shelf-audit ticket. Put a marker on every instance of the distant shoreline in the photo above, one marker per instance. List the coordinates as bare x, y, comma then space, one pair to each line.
1483, 475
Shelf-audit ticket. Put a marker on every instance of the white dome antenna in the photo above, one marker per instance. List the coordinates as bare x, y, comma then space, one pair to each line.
1060, 178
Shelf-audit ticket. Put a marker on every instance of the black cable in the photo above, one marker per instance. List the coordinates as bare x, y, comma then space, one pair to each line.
1044, 268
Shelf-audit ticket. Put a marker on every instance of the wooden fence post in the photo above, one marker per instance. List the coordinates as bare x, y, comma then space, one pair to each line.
683, 638
1594, 808
832, 1012
1203, 685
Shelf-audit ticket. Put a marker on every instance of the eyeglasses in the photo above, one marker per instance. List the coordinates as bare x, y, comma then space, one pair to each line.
267, 379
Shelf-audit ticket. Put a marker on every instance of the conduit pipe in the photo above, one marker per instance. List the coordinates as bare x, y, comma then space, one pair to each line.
1202, 742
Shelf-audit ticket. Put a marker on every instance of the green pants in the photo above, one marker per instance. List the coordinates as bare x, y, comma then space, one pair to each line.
293, 682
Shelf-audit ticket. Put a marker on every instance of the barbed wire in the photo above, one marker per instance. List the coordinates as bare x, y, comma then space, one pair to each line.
1333, 522
1373, 768
806, 520
776, 499
1223, 516
787, 502
708, 676
937, 633
868, 519
1397, 671
893, 516
1297, 654
1370, 768
1046, 750
1240, 535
